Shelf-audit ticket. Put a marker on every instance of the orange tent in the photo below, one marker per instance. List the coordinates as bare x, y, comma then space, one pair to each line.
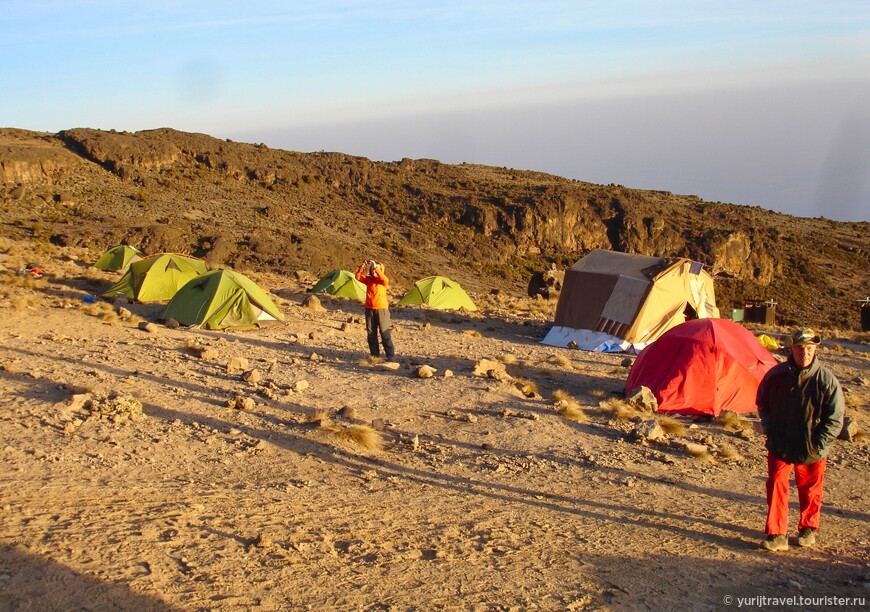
703, 366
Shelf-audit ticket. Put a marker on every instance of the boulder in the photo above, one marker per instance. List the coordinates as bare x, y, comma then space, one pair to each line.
252, 376
648, 430
643, 398
547, 284
312, 302
850, 429
425, 371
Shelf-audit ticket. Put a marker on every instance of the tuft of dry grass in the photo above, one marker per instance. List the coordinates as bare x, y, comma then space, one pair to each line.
528, 387
672, 426
370, 361
560, 360
473, 333
571, 411
704, 457
560, 394
728, 453
599, 393
320, 415
21, 302
619, 409
507, 359
732, 421
110, 317
360, 435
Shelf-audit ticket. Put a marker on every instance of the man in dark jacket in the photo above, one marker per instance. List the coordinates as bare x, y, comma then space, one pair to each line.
801, 408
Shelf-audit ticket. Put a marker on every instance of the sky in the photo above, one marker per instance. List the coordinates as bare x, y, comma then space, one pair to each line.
762, 103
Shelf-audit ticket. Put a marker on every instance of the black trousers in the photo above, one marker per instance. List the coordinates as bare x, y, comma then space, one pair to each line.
378, 320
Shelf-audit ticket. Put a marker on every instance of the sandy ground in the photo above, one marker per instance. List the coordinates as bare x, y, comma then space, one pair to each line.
482, 498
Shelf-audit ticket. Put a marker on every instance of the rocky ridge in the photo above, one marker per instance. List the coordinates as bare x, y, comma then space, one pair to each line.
252, 207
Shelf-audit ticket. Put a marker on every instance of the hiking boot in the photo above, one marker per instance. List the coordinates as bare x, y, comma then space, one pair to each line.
775, 543
806, 537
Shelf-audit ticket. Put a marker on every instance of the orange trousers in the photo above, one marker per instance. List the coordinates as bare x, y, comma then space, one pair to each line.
809, 479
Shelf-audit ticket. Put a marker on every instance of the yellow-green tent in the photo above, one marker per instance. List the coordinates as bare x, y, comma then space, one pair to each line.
438, 292
221, 299
156, 278
341, 283
118, 257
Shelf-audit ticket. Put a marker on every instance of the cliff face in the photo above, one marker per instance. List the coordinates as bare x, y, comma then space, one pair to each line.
246, 205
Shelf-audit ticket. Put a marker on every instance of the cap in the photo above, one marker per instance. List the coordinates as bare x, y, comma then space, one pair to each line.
805, 335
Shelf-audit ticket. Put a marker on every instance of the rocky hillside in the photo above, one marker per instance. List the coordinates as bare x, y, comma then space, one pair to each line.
252, 207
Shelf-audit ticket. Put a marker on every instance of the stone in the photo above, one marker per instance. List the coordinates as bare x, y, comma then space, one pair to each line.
643, 398
448, 374
171, 323
78, 401
237, 364
300, 385
312, 302
147, 326
695, 449
850, 429
124, 313
315, 357
425, 371
483, 367
648, 430
347, 412
242, 403
208, 354
499, 374
252, 376
626, 362
389, 365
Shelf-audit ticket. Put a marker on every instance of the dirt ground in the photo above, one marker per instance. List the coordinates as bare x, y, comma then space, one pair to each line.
482, 496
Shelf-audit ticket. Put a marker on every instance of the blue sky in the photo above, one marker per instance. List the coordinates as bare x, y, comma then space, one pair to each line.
750, 102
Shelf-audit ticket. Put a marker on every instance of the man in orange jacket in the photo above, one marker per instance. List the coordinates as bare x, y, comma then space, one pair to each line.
371, 274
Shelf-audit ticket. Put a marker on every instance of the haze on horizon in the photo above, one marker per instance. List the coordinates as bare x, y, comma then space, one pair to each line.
750, 102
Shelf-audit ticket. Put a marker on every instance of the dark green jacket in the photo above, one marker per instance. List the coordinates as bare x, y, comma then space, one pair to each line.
801, 411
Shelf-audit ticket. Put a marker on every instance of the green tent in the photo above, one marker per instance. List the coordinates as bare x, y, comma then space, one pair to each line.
438, 292
221, 299
341, 283
118, 257
156, 278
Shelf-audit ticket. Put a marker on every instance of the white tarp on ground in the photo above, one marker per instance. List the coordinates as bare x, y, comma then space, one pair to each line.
588, 340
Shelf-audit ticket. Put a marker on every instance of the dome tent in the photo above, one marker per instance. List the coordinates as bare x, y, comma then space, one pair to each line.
221, 299
156, 278
702, 367
438, 292
118, 257
342, 284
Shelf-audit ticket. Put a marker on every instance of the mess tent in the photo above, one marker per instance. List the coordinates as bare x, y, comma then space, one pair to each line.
118, 257
613, 302
341, 283
438, 292
156, 278
702, 367
222, 299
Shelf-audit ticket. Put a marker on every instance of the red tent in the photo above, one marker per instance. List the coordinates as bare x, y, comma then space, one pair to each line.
703, 366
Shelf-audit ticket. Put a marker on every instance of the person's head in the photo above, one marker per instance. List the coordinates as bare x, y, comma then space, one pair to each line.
803, 346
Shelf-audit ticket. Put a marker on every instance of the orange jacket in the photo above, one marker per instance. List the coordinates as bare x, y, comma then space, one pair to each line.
376, 287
